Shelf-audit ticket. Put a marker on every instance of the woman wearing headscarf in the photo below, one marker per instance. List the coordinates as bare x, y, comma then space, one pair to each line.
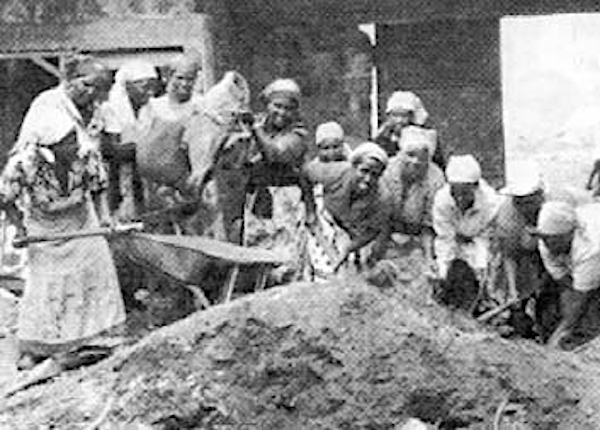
463, 212
331, 147
410, 183
352, 213
521, 268
124, 126
280, 195
281, 140
54, 173
404, 109
570, 248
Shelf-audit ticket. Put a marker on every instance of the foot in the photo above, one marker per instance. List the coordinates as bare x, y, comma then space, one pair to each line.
29, 361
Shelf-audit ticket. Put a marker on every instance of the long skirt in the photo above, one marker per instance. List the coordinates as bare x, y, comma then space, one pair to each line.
71, 289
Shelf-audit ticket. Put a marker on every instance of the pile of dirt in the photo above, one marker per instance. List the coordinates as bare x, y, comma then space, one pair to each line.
342, 355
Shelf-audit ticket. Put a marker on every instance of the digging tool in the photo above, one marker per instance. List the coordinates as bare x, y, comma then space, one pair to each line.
485, 317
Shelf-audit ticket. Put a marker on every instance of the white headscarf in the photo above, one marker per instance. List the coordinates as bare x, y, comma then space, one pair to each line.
409, 101
119, 113
463, 169
328, 130
556, 218
414, 137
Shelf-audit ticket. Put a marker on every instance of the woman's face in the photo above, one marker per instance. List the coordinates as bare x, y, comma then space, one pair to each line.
331, 150
529, 205
463, 194
400, 118
559, 244
368, 171
281, 111
181, 83
140, 91
85, 89
416, 162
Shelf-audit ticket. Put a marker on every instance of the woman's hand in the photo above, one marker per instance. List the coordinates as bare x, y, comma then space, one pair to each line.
340, 261
462, 239
106, 221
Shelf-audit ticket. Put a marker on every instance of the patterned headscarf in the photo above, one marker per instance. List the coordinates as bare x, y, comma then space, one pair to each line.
369, 150
282, 87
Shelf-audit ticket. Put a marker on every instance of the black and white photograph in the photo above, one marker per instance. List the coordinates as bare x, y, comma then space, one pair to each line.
299, 215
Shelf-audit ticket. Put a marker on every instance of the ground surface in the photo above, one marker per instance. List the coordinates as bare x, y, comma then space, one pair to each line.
343, 355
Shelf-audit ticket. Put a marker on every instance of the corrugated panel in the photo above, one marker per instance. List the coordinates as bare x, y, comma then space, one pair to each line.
103, 35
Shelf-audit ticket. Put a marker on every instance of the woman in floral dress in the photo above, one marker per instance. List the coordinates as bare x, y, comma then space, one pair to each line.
55, 176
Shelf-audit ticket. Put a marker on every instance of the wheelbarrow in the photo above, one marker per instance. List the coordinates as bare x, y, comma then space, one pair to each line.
182, 258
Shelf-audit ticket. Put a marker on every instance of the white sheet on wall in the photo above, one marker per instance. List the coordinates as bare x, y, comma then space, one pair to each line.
551, 93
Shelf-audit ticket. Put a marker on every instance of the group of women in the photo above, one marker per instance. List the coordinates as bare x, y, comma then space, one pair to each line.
73, 167
484, 247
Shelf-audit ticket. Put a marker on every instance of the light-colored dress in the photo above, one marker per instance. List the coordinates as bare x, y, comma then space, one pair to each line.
71, 290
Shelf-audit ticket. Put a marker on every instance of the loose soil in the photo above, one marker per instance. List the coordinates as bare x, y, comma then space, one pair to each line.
355, 353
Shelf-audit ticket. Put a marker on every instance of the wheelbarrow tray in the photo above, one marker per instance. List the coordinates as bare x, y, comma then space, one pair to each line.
188, 258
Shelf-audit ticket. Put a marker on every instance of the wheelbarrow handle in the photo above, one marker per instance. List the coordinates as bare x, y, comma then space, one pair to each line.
23, 241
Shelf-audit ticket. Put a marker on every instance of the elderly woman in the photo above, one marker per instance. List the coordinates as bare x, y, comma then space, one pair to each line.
404, 109
54, 172
131, 91
353, 212
463, 212
410, 182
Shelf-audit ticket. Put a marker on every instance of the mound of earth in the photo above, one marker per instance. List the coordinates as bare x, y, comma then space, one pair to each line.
343, 355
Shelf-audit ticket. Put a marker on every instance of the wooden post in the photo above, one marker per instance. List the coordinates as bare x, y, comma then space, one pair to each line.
202, 40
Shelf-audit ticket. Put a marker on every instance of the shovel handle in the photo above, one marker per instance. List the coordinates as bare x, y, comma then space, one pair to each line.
21, 242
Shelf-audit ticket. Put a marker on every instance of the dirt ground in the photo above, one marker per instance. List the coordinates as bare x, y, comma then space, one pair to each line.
347, 354
355, 353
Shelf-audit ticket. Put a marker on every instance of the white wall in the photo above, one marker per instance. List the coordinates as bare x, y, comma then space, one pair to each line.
551, 92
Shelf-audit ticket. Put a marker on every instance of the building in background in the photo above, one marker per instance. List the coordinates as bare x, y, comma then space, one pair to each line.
447, 52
